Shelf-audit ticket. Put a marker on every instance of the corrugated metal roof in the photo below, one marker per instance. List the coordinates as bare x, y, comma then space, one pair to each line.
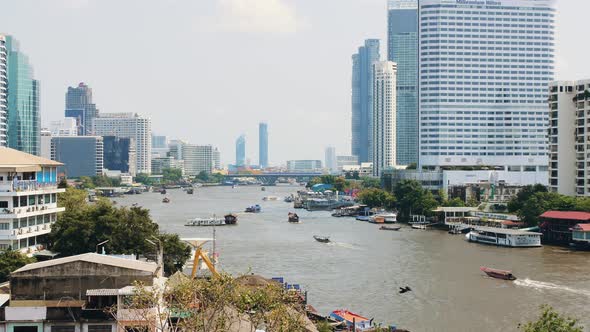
582, 227
567, 215
102, 292
93, 258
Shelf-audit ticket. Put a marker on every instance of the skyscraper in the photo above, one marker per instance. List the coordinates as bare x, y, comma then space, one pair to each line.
3, 92
198, 158
484, 71
241, 151
362, 99
330, 162
384, 116
24, 127
81, 155
263, 145
402, 48
79, 105
119, 154
129, 125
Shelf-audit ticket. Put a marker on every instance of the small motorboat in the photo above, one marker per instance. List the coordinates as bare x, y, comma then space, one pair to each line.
293, 217
231, 219
190, 191
163, 191
270, 198
498, 274
322, 239
253, 209
166, 200
288, 199
390, 228
403, 290
263, 189
419, 225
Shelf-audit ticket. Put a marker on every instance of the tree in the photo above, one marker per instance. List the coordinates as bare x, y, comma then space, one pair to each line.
551, 321
376, 198
517, 202
368, 182
63, 184
455, 202
413, 199
144, 179
86, 182
11, 260
173, 175
203, 176
82, 226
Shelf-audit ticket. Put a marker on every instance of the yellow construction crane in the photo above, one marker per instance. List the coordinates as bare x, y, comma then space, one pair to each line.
200, 254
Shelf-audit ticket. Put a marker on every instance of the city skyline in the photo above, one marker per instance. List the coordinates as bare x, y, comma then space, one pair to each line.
326, 101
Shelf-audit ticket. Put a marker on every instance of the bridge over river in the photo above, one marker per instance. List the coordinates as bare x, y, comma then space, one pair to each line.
270, 179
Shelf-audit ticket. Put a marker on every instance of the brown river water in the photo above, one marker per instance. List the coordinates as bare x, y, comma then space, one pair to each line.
363, 268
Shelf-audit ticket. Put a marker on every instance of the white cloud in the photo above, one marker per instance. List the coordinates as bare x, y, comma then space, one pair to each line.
274, 16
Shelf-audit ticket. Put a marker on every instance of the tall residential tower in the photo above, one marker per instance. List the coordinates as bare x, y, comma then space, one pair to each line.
484, 71
402, 48
241, 151
24, 128
384, 116
362, 99
263, 145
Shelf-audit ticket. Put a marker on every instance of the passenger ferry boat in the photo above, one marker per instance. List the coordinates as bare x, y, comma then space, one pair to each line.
504, 237
230, 219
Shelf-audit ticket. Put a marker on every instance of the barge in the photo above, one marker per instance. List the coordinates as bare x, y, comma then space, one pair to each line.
503, 237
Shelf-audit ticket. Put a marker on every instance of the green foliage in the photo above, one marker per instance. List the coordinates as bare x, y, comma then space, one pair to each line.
219, 304
517, 202
172, 175
377, 198
209, 177
11, 260
368, 182
354, 175
144, 179
412, 166
87, 182
413, 199
83, 226
455, 202
339, 182
63, 184
551, 321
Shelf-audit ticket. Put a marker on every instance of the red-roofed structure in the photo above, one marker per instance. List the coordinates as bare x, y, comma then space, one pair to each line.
557, 226
581, 235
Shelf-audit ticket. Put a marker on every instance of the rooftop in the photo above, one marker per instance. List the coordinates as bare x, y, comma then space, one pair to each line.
567, 215
94, 258
582, 227
17, 160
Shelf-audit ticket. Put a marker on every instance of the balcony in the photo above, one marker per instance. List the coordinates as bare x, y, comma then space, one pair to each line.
26, 186
30, 211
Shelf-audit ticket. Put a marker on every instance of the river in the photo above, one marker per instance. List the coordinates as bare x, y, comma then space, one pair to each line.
363, 268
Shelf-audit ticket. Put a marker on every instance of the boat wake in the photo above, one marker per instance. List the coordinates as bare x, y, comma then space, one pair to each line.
540, 285
343, 245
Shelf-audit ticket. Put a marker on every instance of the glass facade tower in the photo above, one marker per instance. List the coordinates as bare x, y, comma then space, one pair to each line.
24, 129
263, 145
402, 48
241, 151
79, 105
362, 99
3, 92
484, 72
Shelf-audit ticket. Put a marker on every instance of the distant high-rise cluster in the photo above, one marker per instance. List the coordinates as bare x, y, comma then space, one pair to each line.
263, 145
241, 151
79, 106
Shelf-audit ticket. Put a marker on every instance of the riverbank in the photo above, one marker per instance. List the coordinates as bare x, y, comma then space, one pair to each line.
363, 268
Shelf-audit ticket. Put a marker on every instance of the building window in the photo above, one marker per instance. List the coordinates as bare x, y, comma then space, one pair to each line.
100, 328
63, 328
25, 329
3, 204
4, 226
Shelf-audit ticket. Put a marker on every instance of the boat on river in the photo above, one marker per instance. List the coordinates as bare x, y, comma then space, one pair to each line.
293, 217
230, 219
498, 274
354, 322
390, 228
166, 200
384, 218
163, 191
190, 191
270, 198
253, 209
514, 238
421, 226
322, 239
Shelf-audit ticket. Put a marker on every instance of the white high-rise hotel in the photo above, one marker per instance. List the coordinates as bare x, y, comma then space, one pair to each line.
384, 116
484, 71
3, 93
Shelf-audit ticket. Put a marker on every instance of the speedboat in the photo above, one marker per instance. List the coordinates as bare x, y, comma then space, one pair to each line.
498, 274
322, 239
270, 198
293, 217
166, 200
253, 209
390, 228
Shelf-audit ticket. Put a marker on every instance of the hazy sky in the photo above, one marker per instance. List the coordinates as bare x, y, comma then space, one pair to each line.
209, 70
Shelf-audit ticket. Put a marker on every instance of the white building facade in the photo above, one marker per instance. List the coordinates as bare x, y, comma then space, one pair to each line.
484, 67
199, 158
64, 127
569, 136
3, 92
384, 116
131, 125
304, 165
330, 159
45, 144
28, 200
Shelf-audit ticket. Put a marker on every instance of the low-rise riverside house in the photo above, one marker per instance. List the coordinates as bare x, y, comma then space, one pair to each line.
581, 234
78, 294
557, 226
28, 200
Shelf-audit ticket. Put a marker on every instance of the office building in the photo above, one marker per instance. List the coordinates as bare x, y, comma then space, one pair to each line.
484, 70
263, 145
199, 158
217, 159
45, 144
362, 99
28, 200
159, 142
241, 151
24, 125
80, 155
384, 116
3, 92
330, 159
129, 125
64, 127
79, 106
119, 154
304, 165
402, 48
569, 113
162, 163
342, 161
